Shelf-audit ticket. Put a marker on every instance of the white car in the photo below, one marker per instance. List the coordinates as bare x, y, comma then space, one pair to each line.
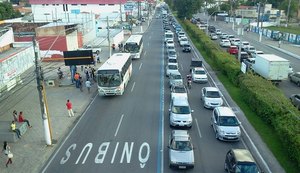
223, 36
211, 97
213, 36
250, 49
244, 44
225, 124
171, 68
180, 34
170, 43
172, 60
199, 75
178, 91
180, 112
181, 151
218, 32
235, 42
225, 43
257, 52
230, 37
183, 41
175, 79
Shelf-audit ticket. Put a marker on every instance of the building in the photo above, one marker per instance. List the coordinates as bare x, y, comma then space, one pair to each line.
15, 58
252, 12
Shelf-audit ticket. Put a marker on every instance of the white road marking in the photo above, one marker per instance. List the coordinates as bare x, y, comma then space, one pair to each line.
140, 66
132, 86
145, 53
114, 155
198, 127
119, 125
181, 66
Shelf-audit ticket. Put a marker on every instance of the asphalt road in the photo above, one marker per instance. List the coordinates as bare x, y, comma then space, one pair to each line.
286, 86
129, 133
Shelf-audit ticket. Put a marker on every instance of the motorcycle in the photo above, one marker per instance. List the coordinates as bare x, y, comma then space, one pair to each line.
189, 81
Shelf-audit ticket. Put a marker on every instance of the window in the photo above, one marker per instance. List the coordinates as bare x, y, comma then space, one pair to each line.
83, 4
74, 4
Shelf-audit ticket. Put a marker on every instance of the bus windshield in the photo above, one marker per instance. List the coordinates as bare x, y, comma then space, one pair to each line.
109, 78
131, 48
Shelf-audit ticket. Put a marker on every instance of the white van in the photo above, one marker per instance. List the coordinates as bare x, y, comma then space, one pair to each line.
180, 112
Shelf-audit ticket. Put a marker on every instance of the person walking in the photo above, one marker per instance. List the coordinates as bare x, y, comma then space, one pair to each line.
98, 58
7, 152
14, 129
22, 119
88, 85
76, 78
69, 108
15, 115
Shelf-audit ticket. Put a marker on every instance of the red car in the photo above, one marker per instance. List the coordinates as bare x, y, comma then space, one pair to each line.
233, 50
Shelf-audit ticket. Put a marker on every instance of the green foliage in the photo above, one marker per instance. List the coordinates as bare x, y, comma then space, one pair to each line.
7, 11
293, 7
186, 8
225, 7
263, 98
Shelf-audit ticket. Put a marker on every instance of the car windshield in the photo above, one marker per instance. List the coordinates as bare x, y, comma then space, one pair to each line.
184, 39
213, 94
172, 67
109, 78
245, 43
176, 76
246, 168
181, 109
186, 45
200, 72
172, 53
179, 90
131, 48
172, 60
228, 121
182, 146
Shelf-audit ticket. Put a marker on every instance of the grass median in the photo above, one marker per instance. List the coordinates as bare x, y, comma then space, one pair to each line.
266, 132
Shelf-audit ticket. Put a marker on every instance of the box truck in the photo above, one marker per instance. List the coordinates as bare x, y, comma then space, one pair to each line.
271, 67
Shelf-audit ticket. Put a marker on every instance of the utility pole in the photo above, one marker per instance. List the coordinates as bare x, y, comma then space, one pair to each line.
258, 14
42, 95
288, 13
108, 36
121, 11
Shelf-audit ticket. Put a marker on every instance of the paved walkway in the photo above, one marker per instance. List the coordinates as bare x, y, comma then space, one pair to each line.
31, 152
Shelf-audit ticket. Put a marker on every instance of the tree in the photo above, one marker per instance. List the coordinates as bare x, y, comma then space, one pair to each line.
7, 11
225, 7
293, 8
186, 8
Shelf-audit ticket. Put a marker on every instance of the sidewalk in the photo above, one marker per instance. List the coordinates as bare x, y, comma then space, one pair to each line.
31, 152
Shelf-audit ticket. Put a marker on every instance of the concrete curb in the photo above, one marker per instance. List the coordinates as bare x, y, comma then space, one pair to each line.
284, 51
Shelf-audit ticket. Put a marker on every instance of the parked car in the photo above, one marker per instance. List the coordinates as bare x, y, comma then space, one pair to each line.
241, 161
180, 112
199, 75
295, 78
181, 151
225, 43
211, 97
178, 91
225, 124
175, 79
186, 48
295, 99
233, 50
171, 68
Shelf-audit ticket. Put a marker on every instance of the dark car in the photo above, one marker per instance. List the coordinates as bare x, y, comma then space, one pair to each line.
240, 160
186, 48
211, 28
295, 99
295, 78
244, 55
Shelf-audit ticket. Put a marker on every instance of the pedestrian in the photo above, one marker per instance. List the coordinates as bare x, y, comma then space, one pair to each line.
93, 74
22, 119
69, 108
121, 47
88, 85
15, 115
80, 83
90, 72
98, 58
86, 72
76, 78
8, 153
14, 129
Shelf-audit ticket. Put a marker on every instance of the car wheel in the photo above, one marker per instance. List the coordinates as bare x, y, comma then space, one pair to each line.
225, 167
217, 135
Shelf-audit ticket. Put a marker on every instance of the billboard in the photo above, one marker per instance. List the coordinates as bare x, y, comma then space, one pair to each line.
78, 57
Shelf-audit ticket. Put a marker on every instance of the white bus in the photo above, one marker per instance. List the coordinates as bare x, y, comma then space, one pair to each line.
114, 74
134, 46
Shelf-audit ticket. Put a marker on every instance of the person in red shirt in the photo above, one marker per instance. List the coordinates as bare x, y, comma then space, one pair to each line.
22, 119
69, 108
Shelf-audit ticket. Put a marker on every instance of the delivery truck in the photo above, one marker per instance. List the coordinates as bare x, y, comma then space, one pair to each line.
271, 67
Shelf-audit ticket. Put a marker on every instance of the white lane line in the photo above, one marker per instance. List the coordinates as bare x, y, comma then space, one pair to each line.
119, 125
140, 66
198, 127
181, 66
145, 53
243, 129
133, 86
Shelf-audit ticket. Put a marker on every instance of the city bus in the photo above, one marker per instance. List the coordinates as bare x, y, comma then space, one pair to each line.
134, 46
114, 74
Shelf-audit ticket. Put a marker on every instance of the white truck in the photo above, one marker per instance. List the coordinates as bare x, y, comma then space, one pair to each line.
271, 67
96, 49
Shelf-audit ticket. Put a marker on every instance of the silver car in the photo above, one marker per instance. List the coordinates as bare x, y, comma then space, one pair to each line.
180, 112
211, 97
295, 78
171, 68
181, 151
175, 79
295, 99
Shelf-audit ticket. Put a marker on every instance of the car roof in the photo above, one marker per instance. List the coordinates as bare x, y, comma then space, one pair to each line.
225, 111
180, 135
176, 73
211, 89
198, 68
180, 101
233, 47
243, 155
